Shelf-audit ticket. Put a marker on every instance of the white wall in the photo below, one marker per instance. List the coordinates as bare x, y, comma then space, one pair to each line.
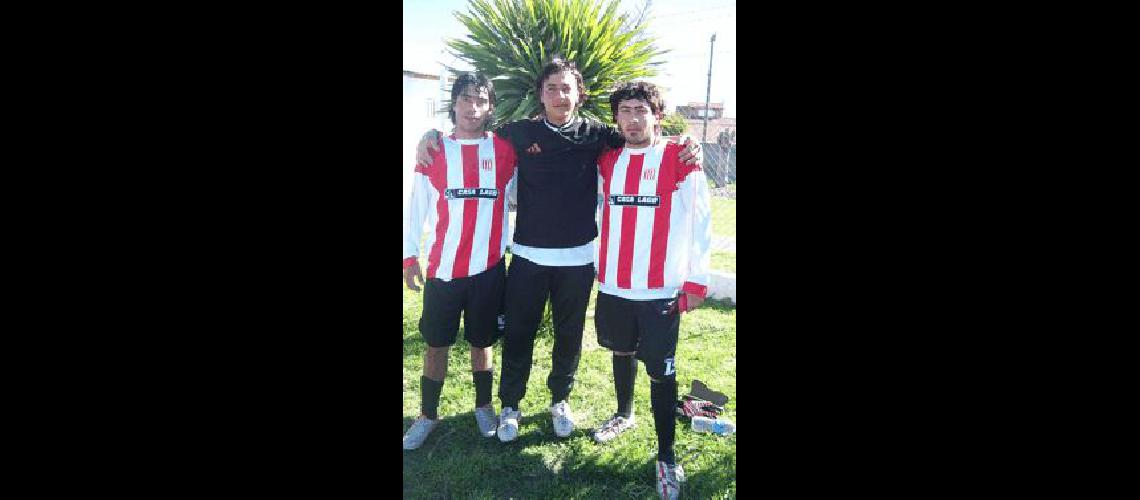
418, 119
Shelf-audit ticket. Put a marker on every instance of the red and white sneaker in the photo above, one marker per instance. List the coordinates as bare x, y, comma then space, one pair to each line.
669, 479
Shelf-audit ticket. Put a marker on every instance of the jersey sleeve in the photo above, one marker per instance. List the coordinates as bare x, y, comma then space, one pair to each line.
611, 138
601, 187
510, 132
503, 131
513, 190
694, 191
606, 162
425, 142
601, 197
506, 154
506, 162
417, 213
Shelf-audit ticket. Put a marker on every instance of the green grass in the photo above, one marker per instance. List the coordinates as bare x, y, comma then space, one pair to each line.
723, 261
731, 187
723, 216
455, 462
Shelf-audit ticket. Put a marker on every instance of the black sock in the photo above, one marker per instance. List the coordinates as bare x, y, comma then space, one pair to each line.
482, 387
429, 396
663, 396
625, 375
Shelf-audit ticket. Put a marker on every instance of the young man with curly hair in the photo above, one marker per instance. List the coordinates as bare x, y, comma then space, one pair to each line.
653, 263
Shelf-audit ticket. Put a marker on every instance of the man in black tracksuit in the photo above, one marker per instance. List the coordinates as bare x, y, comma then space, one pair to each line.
553, 249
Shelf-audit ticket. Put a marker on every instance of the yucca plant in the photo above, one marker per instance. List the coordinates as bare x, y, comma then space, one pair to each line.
511, 40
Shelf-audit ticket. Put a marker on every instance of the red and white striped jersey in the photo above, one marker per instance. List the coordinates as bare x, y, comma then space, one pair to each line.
656, 225
462, 195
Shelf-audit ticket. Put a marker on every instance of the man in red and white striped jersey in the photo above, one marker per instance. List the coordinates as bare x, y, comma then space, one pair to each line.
653, 262
553, 244
462, 196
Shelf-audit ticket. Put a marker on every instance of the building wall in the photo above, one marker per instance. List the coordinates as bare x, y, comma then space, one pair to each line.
421, 112
693, 113
696, 110
715, 126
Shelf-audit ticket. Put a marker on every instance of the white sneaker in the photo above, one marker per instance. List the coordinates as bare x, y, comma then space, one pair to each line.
418, 432
487, 421
508, 424
613, 427
563, 421
669, 479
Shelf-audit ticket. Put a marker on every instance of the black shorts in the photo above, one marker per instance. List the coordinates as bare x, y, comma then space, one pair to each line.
479, 298
649, 327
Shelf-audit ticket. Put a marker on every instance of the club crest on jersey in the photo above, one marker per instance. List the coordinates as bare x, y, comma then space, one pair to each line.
487, 163
461, 193
634, 200
649, 174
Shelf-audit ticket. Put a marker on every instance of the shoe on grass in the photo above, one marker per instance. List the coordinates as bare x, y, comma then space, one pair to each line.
508, 424
487, 420
418, 432
669, 479
613, 427
562, 419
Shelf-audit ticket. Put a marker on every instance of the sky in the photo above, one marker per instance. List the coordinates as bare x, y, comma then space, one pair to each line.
679, 26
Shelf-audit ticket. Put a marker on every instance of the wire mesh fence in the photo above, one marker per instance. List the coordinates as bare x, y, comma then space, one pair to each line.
719, 163
720, 168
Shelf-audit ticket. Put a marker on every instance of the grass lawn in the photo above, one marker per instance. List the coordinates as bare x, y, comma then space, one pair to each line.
455, 462
723, 216
723, 261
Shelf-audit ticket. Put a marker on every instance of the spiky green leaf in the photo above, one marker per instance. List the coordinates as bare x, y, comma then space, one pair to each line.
510, 41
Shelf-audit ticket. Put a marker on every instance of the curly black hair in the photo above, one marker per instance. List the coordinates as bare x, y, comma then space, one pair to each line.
558, 65
645, 91
477, 82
